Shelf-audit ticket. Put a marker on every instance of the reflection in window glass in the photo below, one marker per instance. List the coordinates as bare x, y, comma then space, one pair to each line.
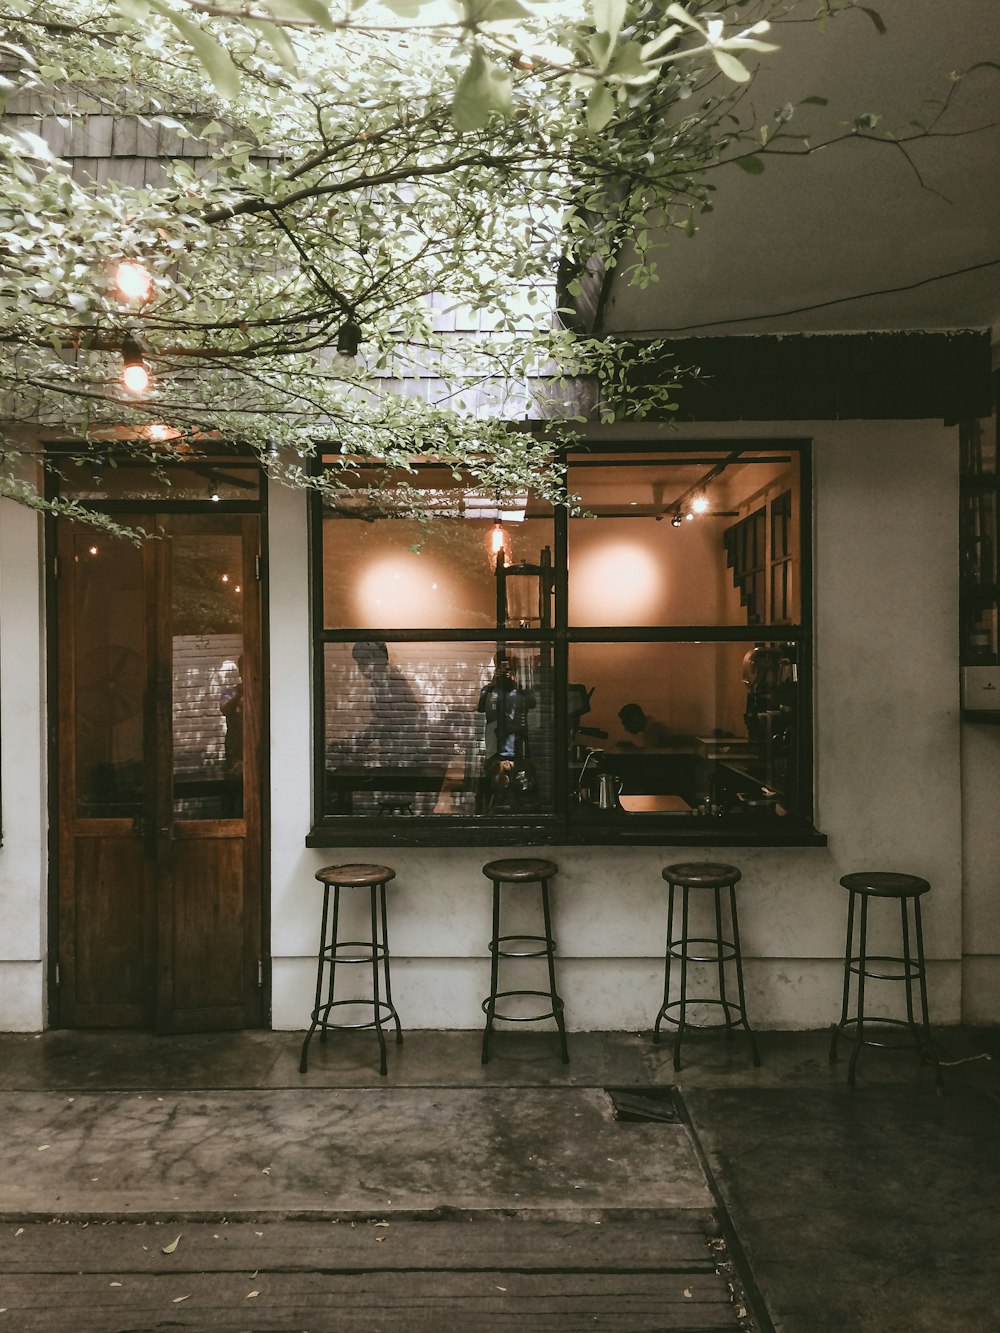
437, 728
207, 659
685, 540
707, 728
408, 573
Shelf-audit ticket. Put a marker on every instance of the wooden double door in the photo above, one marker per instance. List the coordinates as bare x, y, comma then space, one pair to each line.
158, 758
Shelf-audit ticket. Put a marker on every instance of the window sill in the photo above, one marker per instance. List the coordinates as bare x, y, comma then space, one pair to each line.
617, 830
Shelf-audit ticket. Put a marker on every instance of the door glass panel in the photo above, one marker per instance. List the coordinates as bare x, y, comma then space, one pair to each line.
207, 662
109, 667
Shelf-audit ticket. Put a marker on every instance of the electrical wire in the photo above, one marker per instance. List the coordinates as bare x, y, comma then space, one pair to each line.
822, 305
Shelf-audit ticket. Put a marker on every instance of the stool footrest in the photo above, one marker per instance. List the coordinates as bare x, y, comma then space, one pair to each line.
322, 1016
907, 972
547, 950
554, 1000
725, 950
735, 1014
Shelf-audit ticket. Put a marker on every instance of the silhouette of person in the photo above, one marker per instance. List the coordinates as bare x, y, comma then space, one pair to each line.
650, 732
397, 729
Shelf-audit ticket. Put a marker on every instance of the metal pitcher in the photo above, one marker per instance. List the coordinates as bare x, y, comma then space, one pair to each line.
608, 788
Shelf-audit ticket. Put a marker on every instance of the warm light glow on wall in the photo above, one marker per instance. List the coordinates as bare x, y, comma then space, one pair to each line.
618, 582
399, 591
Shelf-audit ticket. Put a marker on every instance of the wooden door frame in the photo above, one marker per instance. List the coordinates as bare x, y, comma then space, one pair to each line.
259, 562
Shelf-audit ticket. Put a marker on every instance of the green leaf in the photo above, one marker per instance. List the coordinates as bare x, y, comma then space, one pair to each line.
277, 40
502, 11
608, 16
315, 11
876, 18
753, 166
215, 59
482, 89
731, 67
600, 108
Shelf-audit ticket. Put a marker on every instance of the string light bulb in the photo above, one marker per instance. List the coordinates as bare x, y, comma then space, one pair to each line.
133, 281
135, 373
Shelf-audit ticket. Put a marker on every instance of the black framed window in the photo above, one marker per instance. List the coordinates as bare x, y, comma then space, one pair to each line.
492, 669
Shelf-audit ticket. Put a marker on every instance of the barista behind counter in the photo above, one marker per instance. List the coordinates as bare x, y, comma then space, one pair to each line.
652, 759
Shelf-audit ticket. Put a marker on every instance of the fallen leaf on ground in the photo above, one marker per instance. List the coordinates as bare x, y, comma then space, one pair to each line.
115, 1284
169, 1249
252, 1293
19, 1231
687, 1292
178, 1299
43, 1147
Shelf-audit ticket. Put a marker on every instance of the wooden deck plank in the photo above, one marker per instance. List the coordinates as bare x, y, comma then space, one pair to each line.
409, 1302
302, 1246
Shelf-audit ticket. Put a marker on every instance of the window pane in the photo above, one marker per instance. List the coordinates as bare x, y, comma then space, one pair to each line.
97, 479
437, 728
641, 560
685, 727
207, 663
436, 571
109, 677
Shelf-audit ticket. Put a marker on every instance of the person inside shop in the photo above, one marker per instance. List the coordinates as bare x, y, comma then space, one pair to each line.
644, 732
509, 777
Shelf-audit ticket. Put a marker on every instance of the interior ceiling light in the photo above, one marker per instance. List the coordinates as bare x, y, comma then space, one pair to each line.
135, 373
499, 545
699, 505
213, 491
133, 281
675, 522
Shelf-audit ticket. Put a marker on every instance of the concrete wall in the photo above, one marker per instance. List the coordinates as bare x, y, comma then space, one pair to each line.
894, 788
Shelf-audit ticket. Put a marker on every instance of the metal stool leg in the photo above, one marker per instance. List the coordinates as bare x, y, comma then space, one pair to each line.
862, 971
388, 982
494, 969
666, 964
557, 1004
848, 949
679, 1034
383, 1068
717, 892
303, 1059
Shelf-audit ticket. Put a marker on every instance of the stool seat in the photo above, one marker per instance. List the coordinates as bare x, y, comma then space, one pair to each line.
885, 884
702, 874
685, 948
334, 951
355, 876
522, 870
907, 968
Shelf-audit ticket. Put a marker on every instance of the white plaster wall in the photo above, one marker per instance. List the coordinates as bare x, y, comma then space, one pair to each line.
887, 779
23, 859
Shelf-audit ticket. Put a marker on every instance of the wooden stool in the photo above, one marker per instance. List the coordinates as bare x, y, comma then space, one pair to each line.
522, 870
908, 968
691, 949
374, 951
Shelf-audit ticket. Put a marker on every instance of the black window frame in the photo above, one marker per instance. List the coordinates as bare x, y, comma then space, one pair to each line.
560, 827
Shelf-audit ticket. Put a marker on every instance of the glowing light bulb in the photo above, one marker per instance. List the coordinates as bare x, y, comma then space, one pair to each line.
225, 578
699, 505
133, 281
135, 377
92, 550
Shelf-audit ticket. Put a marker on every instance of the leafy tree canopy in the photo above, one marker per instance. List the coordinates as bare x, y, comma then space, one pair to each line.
403, 181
